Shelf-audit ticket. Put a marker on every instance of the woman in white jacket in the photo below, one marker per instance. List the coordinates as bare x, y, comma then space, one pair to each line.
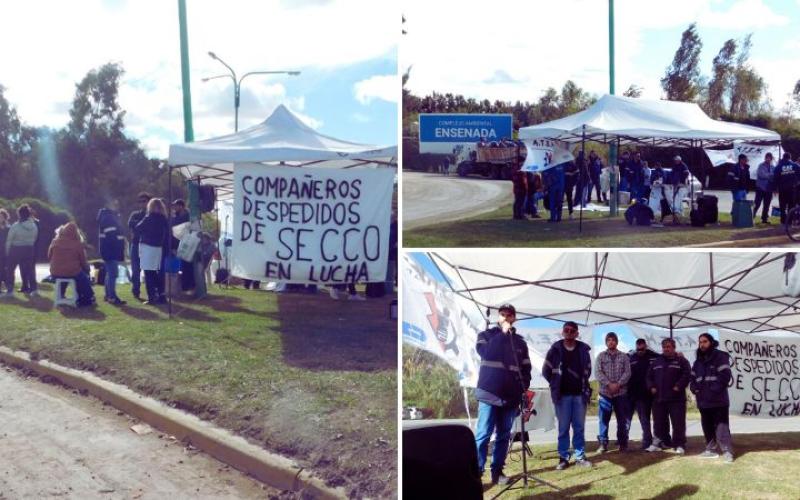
21, 251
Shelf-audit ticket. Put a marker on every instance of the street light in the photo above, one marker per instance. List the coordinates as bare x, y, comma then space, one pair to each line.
237, 84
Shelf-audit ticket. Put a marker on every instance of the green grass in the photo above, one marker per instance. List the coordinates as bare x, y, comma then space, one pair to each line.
767, 466
305, 376
498, 229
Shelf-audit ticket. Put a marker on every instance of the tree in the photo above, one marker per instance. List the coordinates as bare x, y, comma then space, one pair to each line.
633, 91
722, 74
682, 79
95, 108
747, 86
17, 141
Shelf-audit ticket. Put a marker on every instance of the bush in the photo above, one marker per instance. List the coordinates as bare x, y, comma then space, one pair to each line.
50, 218
429, 382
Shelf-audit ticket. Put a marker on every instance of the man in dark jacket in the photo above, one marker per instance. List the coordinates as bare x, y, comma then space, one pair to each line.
520, 190
504, 376
667, 378
112, 248
641, 399
571, 172
738, 178
134, 219
595, 169
711, 374
787, 175
567, 368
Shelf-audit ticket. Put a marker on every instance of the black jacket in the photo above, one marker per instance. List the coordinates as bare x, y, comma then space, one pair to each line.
738, 177
666, 373
153, 230
111, 240
498, 379
552, 368
711, 374
637, 385
135, 218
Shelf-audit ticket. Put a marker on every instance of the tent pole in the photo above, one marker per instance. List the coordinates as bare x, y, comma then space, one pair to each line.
582, 178
466, 406
169, 241
670, 326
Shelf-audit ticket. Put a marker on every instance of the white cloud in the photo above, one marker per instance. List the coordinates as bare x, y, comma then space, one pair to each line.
384, 87
48, 54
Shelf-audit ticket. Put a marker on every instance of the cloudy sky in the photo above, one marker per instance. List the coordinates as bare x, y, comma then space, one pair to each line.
511, 49
346, 50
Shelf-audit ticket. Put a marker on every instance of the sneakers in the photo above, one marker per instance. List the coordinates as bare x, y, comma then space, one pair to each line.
356, 297
562, 464
623, 448
603, 447
709, 454
680, 451
727, 457
582, 462
34, 293
499, 478
115, 301
653, 448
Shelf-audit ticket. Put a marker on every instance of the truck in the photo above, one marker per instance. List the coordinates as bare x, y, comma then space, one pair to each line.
495, 160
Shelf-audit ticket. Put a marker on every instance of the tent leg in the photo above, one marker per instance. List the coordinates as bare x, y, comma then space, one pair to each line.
466, 406
169, 240
582, 178
670, 326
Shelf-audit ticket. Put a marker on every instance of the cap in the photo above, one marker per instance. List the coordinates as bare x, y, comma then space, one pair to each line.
507, 307
677, 157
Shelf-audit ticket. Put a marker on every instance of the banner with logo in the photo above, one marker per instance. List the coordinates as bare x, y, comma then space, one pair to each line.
755, 154
544, 154
307, 225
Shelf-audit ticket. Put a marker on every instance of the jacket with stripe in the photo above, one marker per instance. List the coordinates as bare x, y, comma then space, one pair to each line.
499, 376
666, 373
553, 368
711, 374
111, 238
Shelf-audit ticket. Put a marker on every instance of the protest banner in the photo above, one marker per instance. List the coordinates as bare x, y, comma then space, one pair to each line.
311, 226
544, 153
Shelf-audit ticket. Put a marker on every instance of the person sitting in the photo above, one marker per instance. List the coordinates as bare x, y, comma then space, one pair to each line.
67, 257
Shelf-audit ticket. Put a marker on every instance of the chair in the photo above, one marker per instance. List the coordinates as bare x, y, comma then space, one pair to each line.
62, 285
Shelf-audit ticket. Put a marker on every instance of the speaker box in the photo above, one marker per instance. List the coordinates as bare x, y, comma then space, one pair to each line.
208, 198
441, 462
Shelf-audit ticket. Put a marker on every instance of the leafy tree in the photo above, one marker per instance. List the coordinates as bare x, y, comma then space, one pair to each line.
681, 81
748, 88
722, 73
633, 91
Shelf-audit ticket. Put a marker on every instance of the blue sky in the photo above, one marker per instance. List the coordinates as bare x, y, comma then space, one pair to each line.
348, 87
550, 41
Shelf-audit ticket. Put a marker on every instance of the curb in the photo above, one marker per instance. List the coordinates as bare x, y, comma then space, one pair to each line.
274, 470
748, 243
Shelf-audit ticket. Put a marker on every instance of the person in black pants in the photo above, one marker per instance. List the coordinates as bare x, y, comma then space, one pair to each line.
153, 233
641, 398
711, 374
667, 378
570, 184
136, 268
787, 175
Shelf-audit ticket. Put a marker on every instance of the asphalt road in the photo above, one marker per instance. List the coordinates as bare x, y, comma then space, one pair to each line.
433, 198
739, 425
59, 444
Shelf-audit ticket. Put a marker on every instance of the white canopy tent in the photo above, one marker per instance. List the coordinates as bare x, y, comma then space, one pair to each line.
646, 123
281, 139
735, 291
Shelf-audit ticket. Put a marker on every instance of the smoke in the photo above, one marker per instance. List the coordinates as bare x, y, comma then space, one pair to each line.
49, 170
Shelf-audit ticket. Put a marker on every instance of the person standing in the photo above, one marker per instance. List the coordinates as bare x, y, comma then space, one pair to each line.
556, 179
625, 171
181, 216
679, 176
613, 371
639, 396
21, 251
711, 374
765, 182
504, 376
446, 166
520, 189
112, 248
134, 220
534, 193
4, 280
567, 368
571, 172
738, 177
153, 232
667, 378
595, 169
787, 175
636, 173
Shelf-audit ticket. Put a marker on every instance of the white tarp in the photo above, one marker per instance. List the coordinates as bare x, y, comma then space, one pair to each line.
664, 123
311, 226
766, 374
281, 139
737, 291
543, 154
755, 155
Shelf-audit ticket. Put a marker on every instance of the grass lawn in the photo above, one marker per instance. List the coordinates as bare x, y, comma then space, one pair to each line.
767, 466
498, 229
306, 376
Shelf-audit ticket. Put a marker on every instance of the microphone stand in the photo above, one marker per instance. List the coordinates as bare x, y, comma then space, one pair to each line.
525, 448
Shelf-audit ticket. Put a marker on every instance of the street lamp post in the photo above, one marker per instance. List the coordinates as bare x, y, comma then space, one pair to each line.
237, 84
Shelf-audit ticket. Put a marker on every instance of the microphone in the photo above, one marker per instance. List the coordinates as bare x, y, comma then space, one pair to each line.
513, 330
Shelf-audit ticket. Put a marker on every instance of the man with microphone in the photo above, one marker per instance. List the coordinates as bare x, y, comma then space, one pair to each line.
504, 376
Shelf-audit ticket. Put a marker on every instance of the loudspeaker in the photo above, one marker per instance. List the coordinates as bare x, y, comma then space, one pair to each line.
208, 198
441, 462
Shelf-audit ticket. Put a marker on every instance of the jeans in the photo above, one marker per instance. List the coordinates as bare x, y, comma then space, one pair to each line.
643, 408
25, 258
493, 418
765, 198
519, 206
665, 412
136, 270
716, 428
571, 411
556, 200
112, 270
531, 204
621, 408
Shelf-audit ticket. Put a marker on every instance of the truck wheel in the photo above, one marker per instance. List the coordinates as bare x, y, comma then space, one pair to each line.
497, 173
462, 170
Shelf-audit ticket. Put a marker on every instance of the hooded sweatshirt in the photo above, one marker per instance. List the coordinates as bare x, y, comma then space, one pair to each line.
711, 374
66, 253
22, 234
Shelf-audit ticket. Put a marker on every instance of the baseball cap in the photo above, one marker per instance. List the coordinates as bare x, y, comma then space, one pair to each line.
507, 307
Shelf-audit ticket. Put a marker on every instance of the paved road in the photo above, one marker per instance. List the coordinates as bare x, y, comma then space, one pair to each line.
739, 425
58, 444
433, 198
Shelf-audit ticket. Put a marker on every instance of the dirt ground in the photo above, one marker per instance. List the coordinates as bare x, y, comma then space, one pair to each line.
57, 443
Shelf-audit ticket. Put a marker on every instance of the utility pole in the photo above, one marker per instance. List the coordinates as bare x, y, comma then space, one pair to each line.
612, 151
188, 130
